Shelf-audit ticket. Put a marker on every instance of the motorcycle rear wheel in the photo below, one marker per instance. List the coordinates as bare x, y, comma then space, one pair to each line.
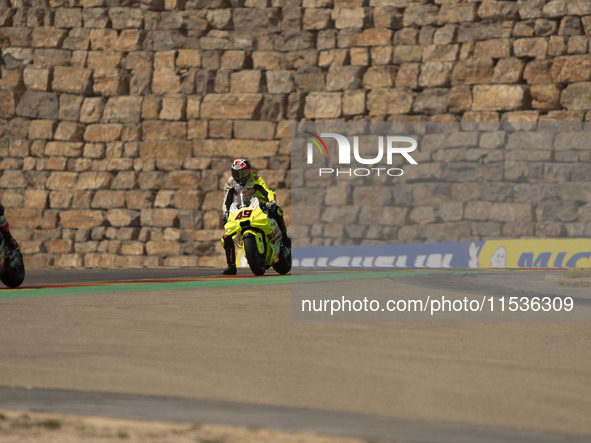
283, 266
256, 261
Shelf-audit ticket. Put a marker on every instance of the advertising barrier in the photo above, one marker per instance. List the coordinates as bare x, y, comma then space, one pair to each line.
522, 253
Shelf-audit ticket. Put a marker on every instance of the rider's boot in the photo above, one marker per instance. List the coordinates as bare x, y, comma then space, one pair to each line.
228, 245
281, 223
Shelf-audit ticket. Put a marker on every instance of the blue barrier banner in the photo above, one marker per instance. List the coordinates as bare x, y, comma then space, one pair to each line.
436, 255
521, 253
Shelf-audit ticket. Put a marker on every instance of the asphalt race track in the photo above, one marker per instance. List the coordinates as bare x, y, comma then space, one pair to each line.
188, 345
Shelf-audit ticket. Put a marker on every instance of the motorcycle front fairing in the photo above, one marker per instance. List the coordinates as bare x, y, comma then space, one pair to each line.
253, 221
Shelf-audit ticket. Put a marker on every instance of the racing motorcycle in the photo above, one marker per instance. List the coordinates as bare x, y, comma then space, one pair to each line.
258, 235
12, 268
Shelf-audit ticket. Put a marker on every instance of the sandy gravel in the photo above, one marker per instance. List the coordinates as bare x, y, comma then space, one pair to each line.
18, 427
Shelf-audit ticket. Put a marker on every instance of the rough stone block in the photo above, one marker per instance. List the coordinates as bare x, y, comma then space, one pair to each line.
70, 107
164, 60
379, 77
155, 130
381, 55
220, 18
107, 199
73, 80
100, 59
173, 107
316, 19
69, 131
68, 17
126, 217
108, 82
235, 60
445, 35
498, 97
435, 74
36, 78
508, 70
354, 102
47, 37
41, 129
91, 110
35, 104
124, 109
408, 75
344, 17
246, 81
538, 71
578, 44
431, 101
570, 25
469, 32
440, 53
332, 57
323, 105
343, 77
406, 36
257, 21
129, 40
254, 130
459, 99
188, 58
8, 104
231, 106
389, 101
164, 150
406, 54
102, 133
495, 48
165, 81
545, 97
268, 60
63, 149
375, 37
572, 68
530, 47
456, 13
81, 219
545, 27
280, 82
420, 15
95, 18
125, 18
498, 10
472, 71
576, 96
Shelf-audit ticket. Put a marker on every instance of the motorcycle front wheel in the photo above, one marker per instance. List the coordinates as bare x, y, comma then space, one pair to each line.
256, 261
14, 272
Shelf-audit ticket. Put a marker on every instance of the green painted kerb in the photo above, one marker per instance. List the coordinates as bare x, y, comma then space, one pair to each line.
217, 283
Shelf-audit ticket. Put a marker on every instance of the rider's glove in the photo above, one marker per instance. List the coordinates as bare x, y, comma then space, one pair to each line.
224, 217
272, 205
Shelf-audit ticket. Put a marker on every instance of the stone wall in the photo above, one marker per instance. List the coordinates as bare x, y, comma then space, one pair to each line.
118, 119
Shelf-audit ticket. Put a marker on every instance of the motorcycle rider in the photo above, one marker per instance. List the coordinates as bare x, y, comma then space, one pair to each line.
243, 179
10, 241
